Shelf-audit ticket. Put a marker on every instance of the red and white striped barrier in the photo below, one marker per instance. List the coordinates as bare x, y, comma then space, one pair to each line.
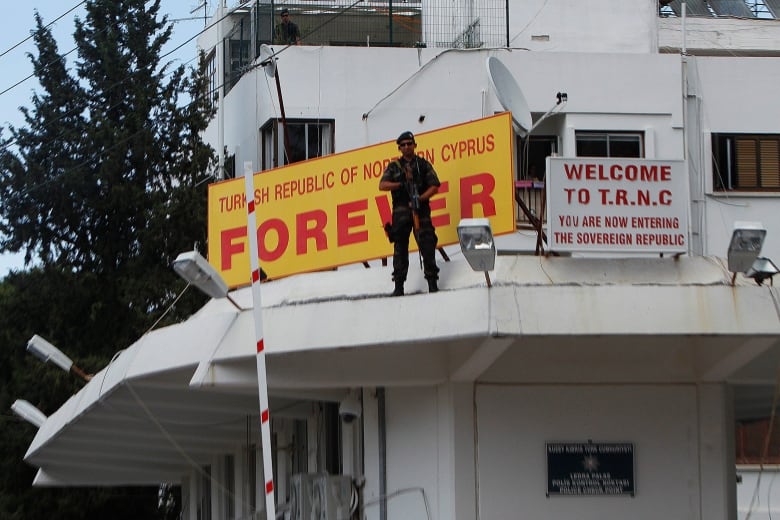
262, 380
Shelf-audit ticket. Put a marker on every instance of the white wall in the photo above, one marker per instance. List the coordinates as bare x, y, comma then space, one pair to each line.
425, 90
515, 422
681, 436
430, 453
719, 36
573, 25
413, 437
759, 493
733, 101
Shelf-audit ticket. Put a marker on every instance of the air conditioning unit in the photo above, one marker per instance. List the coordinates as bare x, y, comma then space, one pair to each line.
316, 496
335, 492
302, 506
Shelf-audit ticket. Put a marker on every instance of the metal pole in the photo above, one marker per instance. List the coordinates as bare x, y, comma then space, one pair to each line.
506, 7
390, 20
262, 380
284, 119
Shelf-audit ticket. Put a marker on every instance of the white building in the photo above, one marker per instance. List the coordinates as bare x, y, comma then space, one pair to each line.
474, 402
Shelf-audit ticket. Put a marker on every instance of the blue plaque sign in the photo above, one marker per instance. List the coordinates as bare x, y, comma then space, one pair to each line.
590, 468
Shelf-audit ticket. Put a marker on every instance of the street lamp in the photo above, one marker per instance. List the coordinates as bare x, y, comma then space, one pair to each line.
46, 352
195, 269
28, 412
745, 246
476, 242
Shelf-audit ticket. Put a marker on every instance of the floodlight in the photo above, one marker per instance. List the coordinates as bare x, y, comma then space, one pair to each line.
196, 270
745, 246
199, 272
762, 269
45, 351
28, 412
477, 244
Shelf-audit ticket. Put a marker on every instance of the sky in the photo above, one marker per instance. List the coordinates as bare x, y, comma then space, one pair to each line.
16, 44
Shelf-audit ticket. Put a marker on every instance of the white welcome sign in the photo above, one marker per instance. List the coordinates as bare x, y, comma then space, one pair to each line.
617, 205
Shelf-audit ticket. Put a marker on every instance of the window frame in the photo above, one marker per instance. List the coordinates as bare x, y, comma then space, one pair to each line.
731, 152
610, 136
272, 140
211, 74
533, 154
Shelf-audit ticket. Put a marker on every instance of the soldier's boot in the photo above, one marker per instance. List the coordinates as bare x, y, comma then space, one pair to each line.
399, 288
432, 285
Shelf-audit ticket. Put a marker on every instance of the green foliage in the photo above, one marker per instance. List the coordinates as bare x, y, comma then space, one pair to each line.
102, 188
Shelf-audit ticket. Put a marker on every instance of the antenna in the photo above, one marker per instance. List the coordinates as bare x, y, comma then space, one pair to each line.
509, 95
268, 60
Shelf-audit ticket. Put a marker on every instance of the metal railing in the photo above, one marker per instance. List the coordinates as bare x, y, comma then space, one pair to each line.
530, 200
394, 23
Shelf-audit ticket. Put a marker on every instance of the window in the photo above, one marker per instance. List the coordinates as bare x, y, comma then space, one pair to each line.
228, 490
238, 58
211, 74
204, 494
532, 161
307, 139
610, 144
746, 161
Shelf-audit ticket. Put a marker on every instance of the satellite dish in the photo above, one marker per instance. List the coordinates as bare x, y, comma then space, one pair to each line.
509, 95
266, 56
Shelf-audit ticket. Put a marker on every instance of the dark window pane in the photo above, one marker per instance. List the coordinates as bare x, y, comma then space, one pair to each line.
624, 146
297, 143
592, 146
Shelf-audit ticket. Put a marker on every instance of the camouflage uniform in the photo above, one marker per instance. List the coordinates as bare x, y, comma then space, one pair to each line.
423, 176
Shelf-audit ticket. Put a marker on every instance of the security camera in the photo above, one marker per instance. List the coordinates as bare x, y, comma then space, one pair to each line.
350, 408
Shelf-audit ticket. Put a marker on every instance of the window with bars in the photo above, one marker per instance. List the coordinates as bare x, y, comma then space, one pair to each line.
305, 139
211, 74
746, 162
610, 144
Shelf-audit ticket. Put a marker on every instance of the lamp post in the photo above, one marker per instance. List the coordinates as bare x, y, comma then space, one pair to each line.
46, 352
476, 242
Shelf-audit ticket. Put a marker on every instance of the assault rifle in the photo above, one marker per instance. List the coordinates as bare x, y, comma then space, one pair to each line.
414, 203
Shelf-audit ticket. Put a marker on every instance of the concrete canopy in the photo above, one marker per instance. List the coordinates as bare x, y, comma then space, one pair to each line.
184, 393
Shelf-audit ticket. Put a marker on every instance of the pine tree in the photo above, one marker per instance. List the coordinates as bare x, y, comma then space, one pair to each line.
107, 179
102, 187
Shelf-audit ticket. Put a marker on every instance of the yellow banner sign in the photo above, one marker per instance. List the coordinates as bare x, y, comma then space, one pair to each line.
328, 211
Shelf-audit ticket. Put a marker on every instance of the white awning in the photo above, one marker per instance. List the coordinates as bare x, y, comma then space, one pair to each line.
183, 393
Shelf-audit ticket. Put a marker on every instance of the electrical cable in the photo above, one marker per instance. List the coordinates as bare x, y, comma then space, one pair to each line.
45, 27
399, 492
115, 145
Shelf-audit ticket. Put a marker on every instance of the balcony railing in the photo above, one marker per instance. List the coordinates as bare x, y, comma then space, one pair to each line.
530, 200
437, 23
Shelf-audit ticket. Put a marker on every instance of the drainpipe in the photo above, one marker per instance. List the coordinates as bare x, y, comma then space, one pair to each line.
221, 86
382, 426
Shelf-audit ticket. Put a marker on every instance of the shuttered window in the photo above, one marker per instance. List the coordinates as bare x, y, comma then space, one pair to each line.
746, 162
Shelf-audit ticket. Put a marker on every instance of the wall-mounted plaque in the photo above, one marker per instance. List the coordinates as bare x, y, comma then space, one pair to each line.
590, 468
